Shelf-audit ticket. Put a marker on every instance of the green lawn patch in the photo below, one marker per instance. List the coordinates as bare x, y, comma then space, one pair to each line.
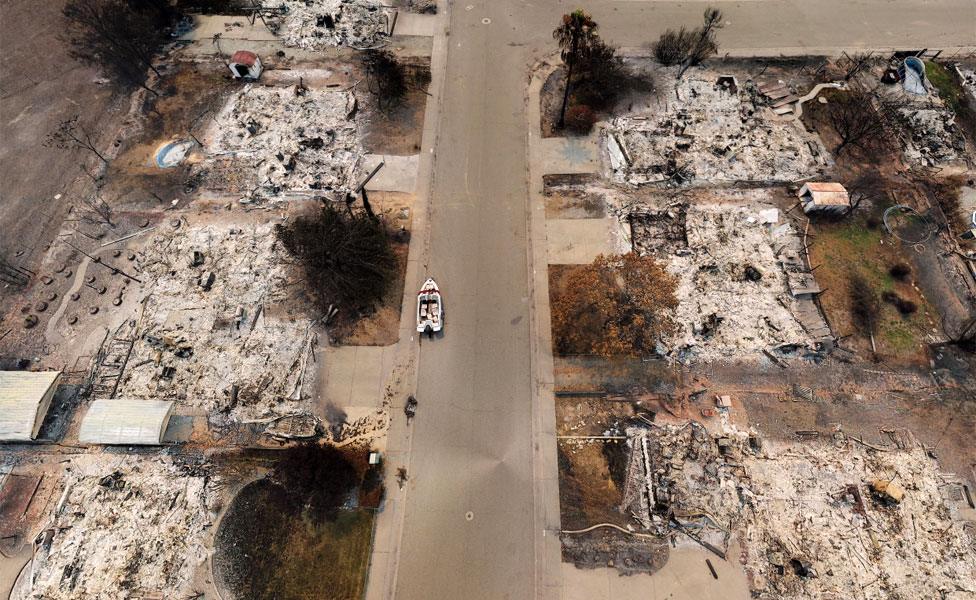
949, 89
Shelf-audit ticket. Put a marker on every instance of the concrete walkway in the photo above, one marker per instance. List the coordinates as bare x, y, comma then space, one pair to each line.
579, 241
399, 173
684, 577
558, 155
413, 24
355, 375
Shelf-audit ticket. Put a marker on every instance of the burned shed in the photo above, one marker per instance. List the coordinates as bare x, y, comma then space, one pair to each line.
245, 65
25, 397
824, 198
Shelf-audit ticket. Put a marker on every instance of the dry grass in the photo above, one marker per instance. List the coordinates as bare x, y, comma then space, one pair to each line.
587, 492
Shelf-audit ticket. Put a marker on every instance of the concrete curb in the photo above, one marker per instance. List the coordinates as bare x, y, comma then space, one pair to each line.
948, 53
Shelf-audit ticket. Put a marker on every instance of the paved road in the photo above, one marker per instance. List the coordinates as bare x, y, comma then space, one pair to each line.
471, 441
472, 451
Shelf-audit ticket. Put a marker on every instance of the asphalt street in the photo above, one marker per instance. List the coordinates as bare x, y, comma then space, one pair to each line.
468, 530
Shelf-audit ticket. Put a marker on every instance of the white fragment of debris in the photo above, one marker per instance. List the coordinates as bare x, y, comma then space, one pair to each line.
318, 24
128, 527
969, 81
703, 132
290, 139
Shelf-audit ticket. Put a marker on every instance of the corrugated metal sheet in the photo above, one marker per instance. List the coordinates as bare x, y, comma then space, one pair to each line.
125, 422
24, 399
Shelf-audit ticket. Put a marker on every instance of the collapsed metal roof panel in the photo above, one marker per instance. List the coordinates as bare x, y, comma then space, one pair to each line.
126, 422
24, 399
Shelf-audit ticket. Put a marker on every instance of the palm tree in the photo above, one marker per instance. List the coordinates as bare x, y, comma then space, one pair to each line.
575, 35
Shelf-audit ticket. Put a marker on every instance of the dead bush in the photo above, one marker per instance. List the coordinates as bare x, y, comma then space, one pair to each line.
347, 257
689, 48
385, 78
672, 47
864, 305
616, 306
580, 119
904, 306
900, 271
857, 122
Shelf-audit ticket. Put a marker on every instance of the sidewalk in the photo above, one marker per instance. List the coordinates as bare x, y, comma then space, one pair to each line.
548, 549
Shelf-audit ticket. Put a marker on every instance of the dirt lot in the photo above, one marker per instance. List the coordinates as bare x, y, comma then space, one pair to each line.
41, 87
551, 97
191, 93
590, 470
398, 129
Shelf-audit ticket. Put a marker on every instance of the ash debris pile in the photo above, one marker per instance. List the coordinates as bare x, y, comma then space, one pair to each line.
212, 333
812, 520
928, 130
736, 266
290, 140
675, 475
933, 137
706, 132
122, 529
318, 24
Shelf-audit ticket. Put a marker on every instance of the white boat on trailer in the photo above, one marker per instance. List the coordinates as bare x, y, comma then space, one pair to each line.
430, 309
